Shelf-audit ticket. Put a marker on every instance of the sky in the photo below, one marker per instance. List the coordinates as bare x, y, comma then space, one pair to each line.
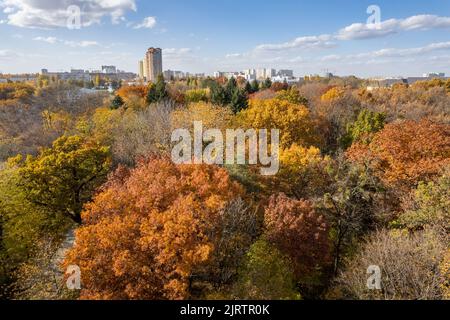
377, 38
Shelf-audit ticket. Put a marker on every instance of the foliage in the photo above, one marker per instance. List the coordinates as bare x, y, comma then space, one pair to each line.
15, 92
150, 230
299, 232
292, 95
404, 153
266, 274
364, 127
157, 91
303, 172
117, 102
211, 116
350, 206
237, 228
293, 121
196, 95
431, 207
409, 266
239, 100
64, 177
333, 94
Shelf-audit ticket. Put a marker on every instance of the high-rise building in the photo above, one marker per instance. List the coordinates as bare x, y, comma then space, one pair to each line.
141, 69
262, 74
153, 60
145, 65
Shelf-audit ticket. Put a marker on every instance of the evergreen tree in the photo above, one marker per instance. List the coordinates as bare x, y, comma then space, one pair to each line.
255, 86
230, 88
267, 84
157, 91
218, 95
117, 102
239, 100
248, 87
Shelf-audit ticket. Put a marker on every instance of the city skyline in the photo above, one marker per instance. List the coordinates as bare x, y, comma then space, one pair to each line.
204, 37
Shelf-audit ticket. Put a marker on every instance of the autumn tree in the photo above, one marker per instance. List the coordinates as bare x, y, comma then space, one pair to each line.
430, 206
367, 124
279, 86
62, 178
218, 95
255, 86
350, 206
157, 91
211, 116
117, 102
150, 230
409, 265
293, 121
239, 100
298, 231
292, 95
196, 95
237, 228
303, 173
406, 152
265, 275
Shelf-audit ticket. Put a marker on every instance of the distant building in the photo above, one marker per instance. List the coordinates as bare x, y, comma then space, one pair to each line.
84, 75
141, 69
434, 75
286, 73
262, 74
109, 69
145, 65
153, 59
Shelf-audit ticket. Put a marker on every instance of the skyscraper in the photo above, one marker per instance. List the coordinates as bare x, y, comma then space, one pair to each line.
153, 60
141, 69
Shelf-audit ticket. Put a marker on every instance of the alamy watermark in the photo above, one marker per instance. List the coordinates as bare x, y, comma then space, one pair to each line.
374, 280
73, 17
374, 20
210, 147
73, 274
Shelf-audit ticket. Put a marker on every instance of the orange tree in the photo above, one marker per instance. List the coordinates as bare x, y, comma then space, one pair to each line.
298, 231
293, 120
150, 230
404, 153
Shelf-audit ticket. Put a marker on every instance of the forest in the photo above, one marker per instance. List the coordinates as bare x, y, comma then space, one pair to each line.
86, 180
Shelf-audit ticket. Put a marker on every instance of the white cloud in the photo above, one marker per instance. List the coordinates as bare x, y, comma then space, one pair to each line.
51, 40
367, 31
233, 55
53, 14
82, 44
147, 23
8, 54
389, 53
8, 10
73, 44
358, 31
322, 41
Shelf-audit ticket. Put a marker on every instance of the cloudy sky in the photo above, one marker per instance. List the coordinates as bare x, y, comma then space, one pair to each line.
411, 38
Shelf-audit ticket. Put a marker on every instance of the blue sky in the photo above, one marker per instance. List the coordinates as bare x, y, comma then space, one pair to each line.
413, 37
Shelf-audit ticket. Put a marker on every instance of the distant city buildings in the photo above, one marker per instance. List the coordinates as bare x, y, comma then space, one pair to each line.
177, 75
376, 83
109, 69
109, 72
283, 75
434, 75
